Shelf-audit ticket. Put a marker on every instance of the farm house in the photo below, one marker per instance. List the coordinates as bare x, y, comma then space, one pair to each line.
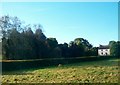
103, 50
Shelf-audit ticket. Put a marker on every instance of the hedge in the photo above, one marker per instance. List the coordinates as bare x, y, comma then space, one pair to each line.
11, 65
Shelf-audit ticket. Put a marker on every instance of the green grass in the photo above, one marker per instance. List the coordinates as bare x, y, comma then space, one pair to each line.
85, 72
0, 57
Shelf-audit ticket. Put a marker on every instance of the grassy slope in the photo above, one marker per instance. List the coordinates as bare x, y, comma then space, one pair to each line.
91, 72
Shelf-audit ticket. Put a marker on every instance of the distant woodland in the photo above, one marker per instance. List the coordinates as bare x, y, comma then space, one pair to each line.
19, 41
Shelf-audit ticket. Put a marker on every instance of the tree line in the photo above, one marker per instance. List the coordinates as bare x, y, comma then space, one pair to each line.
114, 48
21, 42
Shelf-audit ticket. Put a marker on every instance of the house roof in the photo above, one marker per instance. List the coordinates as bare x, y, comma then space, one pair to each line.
103, 47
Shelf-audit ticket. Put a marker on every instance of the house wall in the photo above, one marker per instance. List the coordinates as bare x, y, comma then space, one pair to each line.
103, 52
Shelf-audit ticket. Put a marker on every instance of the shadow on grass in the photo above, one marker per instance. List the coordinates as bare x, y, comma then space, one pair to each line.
106, 62
72, 62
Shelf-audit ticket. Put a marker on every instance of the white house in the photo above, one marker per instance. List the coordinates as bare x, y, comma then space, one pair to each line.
103, 50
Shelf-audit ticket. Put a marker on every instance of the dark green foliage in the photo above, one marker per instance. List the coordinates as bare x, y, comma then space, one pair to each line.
5, 49
40, 45
0, 48
64, 50
53, 49
79, 47
93, 51
114, 48
52, 42
118, 42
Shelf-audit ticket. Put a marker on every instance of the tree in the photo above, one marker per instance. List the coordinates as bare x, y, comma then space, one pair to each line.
113, 48
83, 46
0, 48
9, 26
93, 51
5, 50
39, 35
7, 23
52, 45
52, 42
118, 42
29, 44
64, 50
40, 43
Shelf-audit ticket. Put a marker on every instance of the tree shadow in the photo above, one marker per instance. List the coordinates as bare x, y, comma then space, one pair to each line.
95, 63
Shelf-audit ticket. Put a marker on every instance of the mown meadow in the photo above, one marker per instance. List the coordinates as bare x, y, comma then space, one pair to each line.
103, 71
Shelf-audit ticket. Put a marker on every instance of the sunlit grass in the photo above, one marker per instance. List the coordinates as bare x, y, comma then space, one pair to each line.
85, 72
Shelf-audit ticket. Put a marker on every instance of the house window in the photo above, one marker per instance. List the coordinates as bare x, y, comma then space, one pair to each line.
102, 53
101, 49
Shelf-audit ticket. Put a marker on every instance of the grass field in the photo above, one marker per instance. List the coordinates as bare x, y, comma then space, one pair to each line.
85, 72
0, 57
